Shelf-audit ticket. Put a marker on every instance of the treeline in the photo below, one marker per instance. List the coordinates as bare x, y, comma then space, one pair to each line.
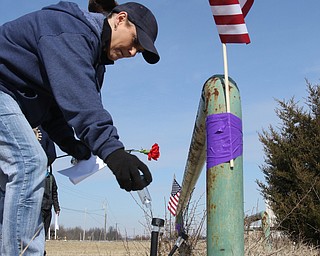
92, 234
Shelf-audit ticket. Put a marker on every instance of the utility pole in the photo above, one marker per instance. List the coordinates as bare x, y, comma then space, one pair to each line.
105, 220
84, 229
116, 231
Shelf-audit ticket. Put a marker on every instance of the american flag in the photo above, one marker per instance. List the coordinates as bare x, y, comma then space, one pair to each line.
245, 6
174, 197
229, 18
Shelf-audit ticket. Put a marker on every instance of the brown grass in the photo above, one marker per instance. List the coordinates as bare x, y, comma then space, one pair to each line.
92, 248
255, 245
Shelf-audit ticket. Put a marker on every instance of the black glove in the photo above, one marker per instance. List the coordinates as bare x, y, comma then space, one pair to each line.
126, 168
75, 148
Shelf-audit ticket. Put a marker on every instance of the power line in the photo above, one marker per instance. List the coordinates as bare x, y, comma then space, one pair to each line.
79, 193
84, 211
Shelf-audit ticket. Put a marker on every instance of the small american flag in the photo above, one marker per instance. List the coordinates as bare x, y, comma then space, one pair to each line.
174, 197
229, 18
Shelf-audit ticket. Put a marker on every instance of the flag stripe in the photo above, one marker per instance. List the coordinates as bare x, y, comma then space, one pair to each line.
232, 9
235, 38
245, 6
174, 197
174, 200
172, 210
232, 29
223, 2
229, 19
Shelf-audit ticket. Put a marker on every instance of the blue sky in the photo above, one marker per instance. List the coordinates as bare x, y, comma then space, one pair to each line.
158, 103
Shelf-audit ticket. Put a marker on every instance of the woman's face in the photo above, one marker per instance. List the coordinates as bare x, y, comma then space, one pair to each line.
123, 43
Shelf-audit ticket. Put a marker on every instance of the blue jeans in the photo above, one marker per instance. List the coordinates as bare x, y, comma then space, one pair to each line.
23, 165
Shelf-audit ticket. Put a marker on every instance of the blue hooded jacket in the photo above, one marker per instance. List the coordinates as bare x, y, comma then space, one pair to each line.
50, 63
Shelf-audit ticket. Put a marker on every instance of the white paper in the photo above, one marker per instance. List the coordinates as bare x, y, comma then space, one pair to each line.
56, 222
83, 169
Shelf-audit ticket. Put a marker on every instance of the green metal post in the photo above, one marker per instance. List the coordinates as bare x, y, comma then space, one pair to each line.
265, 224
225, 212
265, 221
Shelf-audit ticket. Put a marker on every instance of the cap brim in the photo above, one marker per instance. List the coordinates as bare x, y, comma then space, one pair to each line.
150, 53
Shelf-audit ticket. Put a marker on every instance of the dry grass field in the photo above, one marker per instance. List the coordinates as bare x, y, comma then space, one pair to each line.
90, 248
254, 246
107, 248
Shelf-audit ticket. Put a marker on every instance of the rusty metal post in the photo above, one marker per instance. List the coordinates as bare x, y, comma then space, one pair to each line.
225, 211
265, 225
196, 159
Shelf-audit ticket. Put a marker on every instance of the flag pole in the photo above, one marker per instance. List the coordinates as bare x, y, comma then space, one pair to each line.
226, 76
227, 89
174, 177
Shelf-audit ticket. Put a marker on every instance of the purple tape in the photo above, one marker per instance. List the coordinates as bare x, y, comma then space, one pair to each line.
224, 138
178, 228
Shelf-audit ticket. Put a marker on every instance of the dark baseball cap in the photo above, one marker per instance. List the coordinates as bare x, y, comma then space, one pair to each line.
146, 26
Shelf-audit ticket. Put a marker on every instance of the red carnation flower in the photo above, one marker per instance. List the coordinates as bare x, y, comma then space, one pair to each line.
153, 153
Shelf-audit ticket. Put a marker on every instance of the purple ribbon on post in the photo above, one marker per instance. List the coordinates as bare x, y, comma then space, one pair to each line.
178, 228
224, 138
